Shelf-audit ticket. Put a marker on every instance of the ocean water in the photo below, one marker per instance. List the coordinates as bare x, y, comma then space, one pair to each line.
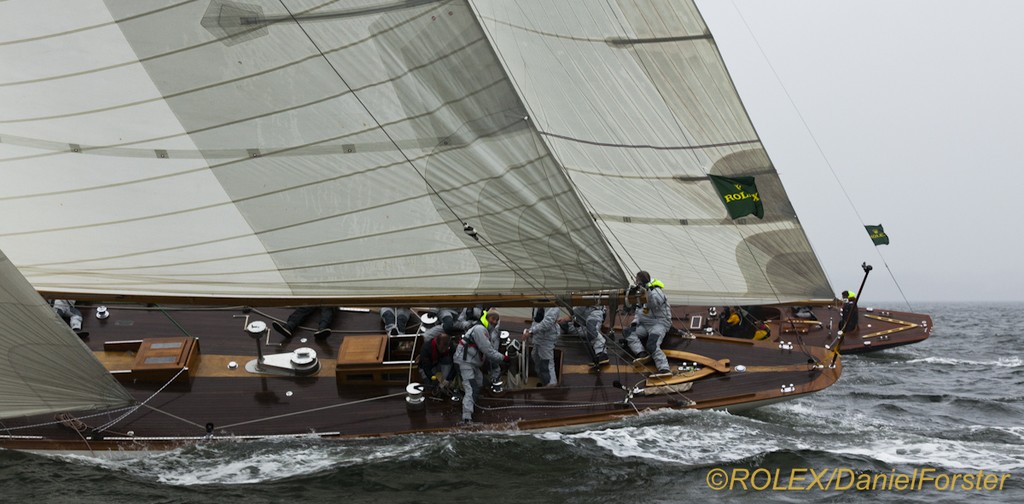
948, 407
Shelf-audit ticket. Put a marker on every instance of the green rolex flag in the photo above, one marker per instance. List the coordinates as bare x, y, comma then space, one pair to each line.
877, 234
739, 195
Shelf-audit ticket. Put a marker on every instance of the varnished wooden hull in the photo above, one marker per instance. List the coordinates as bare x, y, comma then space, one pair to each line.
212, 401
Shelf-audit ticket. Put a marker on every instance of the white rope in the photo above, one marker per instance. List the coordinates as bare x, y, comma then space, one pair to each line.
310, 410
143, 403
55, 422
176, 417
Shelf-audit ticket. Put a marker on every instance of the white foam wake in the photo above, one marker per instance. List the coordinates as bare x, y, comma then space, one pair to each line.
703, 441
711, 438
948, 454
247, 462
1007, 362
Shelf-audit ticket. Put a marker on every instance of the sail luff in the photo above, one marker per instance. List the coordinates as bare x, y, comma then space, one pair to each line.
823, 290
609, 252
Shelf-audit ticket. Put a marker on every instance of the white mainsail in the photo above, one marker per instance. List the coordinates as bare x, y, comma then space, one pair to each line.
337, 149
45, 367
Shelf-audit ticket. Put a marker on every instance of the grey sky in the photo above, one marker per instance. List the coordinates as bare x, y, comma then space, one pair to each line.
916, 105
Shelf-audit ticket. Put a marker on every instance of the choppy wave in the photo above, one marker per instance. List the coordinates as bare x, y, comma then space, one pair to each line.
943, 453
689, 438
1005, 362
247, 462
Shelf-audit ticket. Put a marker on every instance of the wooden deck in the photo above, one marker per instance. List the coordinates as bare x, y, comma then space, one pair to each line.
878, 329
214, 397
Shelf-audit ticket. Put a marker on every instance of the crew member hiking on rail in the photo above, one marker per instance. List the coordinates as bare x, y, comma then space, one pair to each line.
653, 320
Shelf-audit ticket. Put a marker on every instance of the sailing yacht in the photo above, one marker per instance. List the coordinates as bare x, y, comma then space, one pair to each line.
199, 166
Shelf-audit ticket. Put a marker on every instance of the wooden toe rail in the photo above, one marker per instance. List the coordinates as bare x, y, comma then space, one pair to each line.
722, 366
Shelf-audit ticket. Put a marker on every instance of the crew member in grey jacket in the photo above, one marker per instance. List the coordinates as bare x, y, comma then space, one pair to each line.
67, 311
474, 347
494, 335
587, 320
450, 321
653, 320
545, 332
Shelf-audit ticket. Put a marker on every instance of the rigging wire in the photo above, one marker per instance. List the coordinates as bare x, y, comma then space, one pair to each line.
311, 410
540, 145
697, 162
173, 320
143, 403
681, 131
6, 428
543, 146
487, 245
490, 247
817, 145
560, 164
619, 352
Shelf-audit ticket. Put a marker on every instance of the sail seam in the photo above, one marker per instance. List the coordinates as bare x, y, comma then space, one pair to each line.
96, 26
611, 250
658, 40
640, 60
236, 80
607, 40
156, 57
494, 252
648, 146
356, 12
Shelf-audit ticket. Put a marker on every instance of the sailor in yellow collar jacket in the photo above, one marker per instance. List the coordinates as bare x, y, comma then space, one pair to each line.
653, 320
473, 349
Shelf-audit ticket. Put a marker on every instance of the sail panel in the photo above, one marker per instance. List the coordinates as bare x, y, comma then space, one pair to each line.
268, 149
634, 100
46, 368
